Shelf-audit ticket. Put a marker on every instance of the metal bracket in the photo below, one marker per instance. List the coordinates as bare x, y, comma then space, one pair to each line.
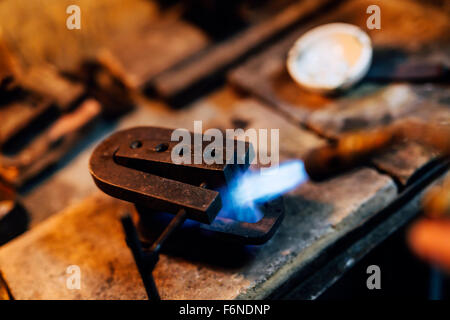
136, 165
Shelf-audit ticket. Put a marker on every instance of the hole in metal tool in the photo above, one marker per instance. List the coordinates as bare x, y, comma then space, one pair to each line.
161, 147
136, 144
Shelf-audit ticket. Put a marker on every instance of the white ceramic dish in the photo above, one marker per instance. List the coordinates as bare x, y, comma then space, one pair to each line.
330, 57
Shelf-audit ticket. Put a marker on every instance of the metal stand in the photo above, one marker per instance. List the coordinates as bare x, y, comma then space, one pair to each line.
146, 259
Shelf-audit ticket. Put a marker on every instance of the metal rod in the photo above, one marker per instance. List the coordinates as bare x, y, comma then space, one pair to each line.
149, 284
147, 259
144, 267
174, 224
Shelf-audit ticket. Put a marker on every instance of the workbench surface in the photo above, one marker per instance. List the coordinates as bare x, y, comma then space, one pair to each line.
87, 231
327, 228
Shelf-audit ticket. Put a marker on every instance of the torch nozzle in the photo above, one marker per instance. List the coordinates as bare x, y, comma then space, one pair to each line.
350, 150
355, 148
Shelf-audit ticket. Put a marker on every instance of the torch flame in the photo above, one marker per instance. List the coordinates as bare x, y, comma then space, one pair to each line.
252, 188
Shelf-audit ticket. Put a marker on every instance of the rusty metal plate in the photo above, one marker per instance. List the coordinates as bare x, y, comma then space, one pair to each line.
145, 183
135, 165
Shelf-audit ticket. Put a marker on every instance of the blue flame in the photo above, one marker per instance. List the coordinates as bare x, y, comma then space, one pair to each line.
272, 182
240, 201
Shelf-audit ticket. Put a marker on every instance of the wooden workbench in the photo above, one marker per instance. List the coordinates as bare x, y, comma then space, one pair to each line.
87, 231
327, 228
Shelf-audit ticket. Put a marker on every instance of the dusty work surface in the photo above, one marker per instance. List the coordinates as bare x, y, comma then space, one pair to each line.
88, 233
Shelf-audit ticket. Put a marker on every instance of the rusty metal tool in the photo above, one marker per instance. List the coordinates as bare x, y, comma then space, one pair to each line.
46, 81
136, 165
8, 69
46, 147
106, 82
20, 114
41, 121
41, 94
45, 112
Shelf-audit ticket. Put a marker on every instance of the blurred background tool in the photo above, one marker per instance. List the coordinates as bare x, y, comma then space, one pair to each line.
173, 48
348, 152
24, 159
436, 203
13, 216
106, 82
410, 72
8, 68
260, 23
48, 113
354, 149
429, 237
